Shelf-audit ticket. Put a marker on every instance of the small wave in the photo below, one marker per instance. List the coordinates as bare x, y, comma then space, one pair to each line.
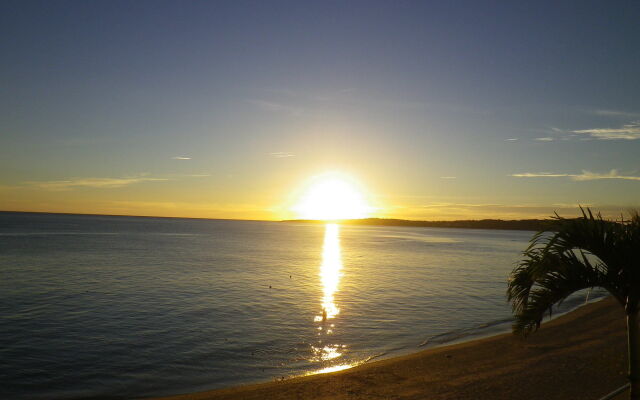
459, 334
373, 357
492, 327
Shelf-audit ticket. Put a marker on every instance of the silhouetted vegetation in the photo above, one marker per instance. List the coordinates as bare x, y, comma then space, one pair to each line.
576, 254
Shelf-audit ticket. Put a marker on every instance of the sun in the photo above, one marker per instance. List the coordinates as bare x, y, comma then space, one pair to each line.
332, 196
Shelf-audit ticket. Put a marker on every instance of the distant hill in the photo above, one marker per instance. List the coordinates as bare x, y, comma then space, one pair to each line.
521, 224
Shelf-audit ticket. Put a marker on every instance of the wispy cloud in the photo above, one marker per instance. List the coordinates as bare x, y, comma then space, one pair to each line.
185, 209
499, 205
180, 158
616, 113
613, 174
545, 139
99, 183
298, 95
278, 107
188, 175
629, 131
282, 154
573, 205
584, 176
298, 103
539, 175
454, 210
512, 139
466, 205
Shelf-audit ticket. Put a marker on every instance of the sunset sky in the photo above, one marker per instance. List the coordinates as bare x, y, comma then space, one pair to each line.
438, 110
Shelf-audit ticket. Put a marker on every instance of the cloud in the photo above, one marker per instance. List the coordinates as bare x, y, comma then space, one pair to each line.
7, 188
282, 154
180, 158
298, 95
539, 175
545, 139
574, 205
99, 183
613, 174
457, 211
277, 107
584, 176
511, 139
629, 131
616, 113
188, 175
460, 205
186, 209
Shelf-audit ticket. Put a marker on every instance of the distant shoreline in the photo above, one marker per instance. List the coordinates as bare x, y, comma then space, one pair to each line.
497, 224
519, 225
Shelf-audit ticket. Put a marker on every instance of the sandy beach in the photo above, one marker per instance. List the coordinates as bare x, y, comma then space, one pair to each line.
580, 355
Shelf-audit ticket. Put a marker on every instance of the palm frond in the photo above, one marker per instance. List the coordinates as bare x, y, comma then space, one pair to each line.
546, 279
592, 234
577, 254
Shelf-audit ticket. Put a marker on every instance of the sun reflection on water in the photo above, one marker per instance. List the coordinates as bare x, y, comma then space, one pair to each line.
327, 353
330, 273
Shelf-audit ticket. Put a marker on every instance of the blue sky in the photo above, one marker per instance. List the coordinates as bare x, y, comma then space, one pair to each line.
442, 110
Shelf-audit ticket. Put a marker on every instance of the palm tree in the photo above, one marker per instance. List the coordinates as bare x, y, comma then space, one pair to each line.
577, 254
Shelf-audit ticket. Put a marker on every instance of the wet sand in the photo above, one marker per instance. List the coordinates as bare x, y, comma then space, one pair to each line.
581, 355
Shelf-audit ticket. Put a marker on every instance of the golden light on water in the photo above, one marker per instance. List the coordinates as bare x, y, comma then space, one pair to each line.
330, 271
327, 353
330, 274
334, 368
332, 196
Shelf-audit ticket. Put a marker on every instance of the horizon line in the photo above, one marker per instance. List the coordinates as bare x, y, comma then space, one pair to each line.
270, 220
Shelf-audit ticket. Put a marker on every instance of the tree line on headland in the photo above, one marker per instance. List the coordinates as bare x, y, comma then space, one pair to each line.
520, 224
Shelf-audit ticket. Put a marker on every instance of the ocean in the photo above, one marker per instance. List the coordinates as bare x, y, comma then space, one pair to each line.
116, 307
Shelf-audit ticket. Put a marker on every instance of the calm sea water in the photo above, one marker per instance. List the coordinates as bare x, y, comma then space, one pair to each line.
121, 307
